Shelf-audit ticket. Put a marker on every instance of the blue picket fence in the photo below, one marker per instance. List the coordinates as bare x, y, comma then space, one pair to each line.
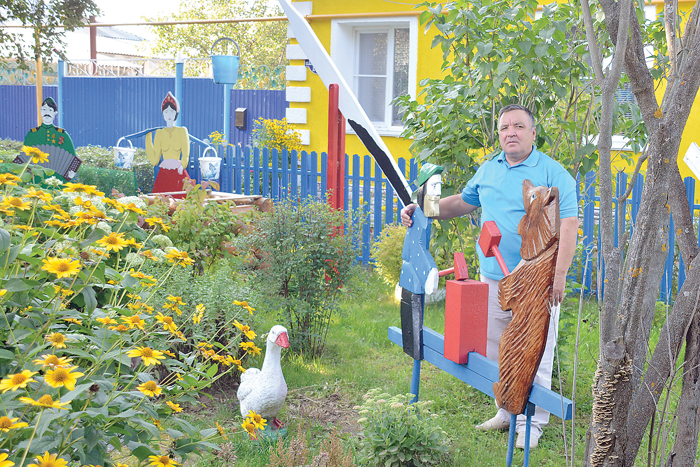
674, 268
278, 175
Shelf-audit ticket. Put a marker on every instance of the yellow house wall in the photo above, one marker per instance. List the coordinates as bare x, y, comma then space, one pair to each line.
429, 62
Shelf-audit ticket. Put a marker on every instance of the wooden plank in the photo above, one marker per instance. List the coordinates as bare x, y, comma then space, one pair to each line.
480, 373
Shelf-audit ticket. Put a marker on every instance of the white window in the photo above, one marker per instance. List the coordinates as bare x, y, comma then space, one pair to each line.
377, 58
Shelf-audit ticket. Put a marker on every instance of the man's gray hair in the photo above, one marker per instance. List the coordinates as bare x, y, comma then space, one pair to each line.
511, 107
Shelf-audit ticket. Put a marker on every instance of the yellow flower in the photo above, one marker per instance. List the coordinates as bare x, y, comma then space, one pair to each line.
150, 388
106, 320
175, 299
134, 321
221, 431
133, 243
13, 202
120, 328
148, 254
157, 221
245, 305
33, 193
45, 401
62, 267
49, 461
114, 241
167, 321
9, 179
161, 461
133, 208
17, 381
179, 257
169, 353
53, 361
175, 407
57, 340
148, 355
245, 329
4, 462
63, 377
7, 424
73, 320
257, 419
80, 188
119, 464
250, 348
38, 156
199, 310
249, 427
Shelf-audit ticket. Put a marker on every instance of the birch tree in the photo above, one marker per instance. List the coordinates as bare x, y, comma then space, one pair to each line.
633, 375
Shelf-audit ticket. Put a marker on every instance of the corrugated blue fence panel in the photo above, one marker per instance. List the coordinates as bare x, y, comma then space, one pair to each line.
18, 109
99, 111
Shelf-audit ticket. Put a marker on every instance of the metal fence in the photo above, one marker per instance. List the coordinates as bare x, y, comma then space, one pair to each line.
100, 110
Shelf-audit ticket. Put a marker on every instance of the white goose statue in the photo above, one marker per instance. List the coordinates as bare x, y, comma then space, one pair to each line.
264, 390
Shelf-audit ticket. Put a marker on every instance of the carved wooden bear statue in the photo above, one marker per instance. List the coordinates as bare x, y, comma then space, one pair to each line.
526, 291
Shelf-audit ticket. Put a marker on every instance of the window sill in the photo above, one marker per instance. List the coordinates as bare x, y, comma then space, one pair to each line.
391, 132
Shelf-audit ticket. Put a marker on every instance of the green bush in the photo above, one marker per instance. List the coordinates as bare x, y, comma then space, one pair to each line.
203, 230
399, 434
97, 156
88, 368
386, 253
306, 254
106, 180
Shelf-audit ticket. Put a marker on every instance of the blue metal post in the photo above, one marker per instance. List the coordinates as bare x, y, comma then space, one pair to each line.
61, 74
179, 87
511, 440
227, 111
415, 381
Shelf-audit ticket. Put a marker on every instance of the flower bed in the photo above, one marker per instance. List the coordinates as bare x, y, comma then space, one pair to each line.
95, 350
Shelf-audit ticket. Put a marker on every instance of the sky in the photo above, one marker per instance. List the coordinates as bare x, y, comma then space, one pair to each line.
132, 10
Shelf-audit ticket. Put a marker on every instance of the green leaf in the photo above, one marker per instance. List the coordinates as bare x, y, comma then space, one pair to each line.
211, 372
4, 240
20, 285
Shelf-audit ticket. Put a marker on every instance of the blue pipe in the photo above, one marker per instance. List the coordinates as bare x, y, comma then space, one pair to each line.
179, 87
61, 74
227, 111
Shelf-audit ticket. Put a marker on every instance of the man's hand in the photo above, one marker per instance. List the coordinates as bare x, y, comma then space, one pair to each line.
558, 287
406, 214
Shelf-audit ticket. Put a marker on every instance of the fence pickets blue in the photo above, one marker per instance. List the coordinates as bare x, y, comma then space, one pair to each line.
279, 175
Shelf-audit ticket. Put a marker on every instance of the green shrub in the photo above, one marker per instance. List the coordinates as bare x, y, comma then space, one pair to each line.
88, 368
399, 434
306, 254
97, 156
386, 253
106, 180
203, 229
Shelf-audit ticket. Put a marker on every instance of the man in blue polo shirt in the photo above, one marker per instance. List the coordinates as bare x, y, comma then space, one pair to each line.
497, 189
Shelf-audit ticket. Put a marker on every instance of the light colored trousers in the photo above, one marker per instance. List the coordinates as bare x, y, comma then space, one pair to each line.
497, 322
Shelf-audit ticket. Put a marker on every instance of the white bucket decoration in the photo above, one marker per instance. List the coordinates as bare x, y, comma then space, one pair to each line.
124, 157
209, 167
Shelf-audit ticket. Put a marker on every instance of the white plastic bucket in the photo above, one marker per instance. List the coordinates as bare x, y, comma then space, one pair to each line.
209, 167
124, 157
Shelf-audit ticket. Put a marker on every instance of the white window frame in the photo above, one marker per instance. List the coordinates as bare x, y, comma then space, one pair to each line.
344, 53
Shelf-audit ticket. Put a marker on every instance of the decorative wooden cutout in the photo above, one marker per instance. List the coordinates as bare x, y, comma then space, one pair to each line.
526, 291
169, 150
54, 141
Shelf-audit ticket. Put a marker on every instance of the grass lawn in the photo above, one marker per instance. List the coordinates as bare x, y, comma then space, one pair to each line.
359, 357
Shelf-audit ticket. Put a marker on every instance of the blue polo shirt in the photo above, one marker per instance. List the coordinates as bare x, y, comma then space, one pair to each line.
498, 189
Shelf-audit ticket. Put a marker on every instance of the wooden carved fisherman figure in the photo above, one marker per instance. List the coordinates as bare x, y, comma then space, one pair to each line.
419, 274
526, 291
54, 141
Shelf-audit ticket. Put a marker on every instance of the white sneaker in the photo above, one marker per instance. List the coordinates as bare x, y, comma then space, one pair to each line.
520, 442
495, 424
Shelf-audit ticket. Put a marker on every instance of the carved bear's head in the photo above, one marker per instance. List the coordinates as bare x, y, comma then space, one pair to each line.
539, 227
